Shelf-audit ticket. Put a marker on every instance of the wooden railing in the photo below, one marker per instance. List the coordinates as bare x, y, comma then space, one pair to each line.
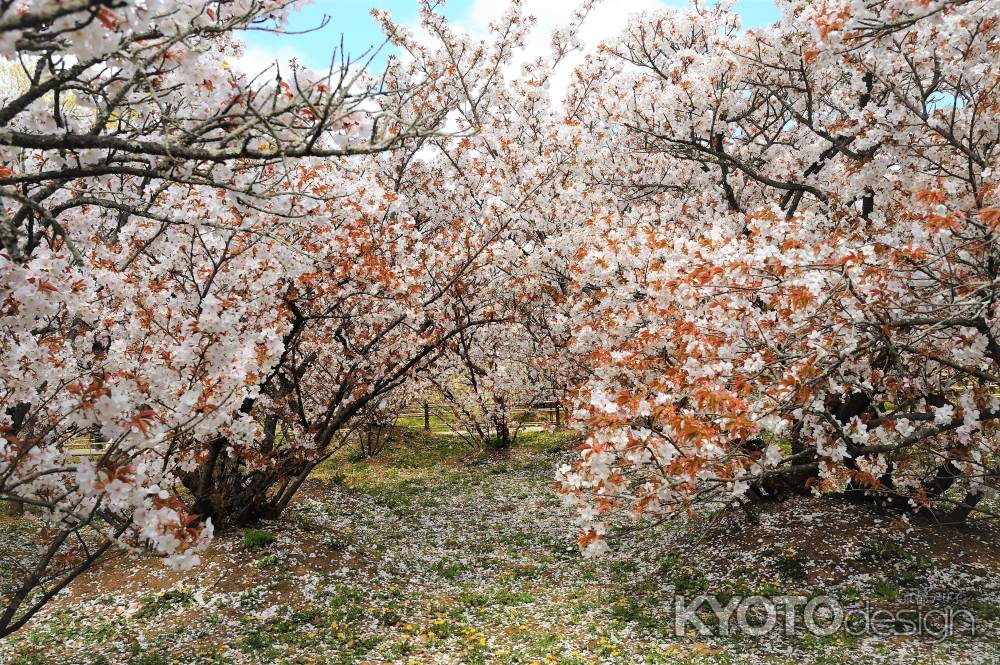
428, 415
86, 445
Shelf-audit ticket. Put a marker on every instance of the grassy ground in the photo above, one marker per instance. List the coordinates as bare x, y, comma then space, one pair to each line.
431, 554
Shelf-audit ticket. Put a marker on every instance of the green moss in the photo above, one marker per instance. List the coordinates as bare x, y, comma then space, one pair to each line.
256, 539
886, 589
267, 561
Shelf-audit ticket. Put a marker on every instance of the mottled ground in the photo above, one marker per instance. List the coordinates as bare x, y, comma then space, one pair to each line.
432, 554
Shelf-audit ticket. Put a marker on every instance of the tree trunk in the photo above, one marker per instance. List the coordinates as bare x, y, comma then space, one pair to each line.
501, 428
964, 509
231, 492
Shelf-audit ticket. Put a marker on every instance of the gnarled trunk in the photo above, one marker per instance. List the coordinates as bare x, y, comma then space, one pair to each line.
230, 490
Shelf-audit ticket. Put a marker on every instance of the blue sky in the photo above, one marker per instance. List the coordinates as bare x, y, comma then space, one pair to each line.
352, 20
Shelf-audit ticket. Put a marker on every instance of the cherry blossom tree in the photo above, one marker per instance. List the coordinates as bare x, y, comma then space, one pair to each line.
793, 288
156, 226
416, 251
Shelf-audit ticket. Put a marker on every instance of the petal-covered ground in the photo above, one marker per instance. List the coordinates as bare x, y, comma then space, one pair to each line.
430, 554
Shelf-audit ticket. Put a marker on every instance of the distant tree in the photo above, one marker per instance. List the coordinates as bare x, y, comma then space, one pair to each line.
490, 380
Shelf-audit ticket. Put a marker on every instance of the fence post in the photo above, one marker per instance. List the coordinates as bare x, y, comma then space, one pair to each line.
427, 416
557, 414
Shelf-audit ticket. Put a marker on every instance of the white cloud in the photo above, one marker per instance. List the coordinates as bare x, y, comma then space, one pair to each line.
256, 59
